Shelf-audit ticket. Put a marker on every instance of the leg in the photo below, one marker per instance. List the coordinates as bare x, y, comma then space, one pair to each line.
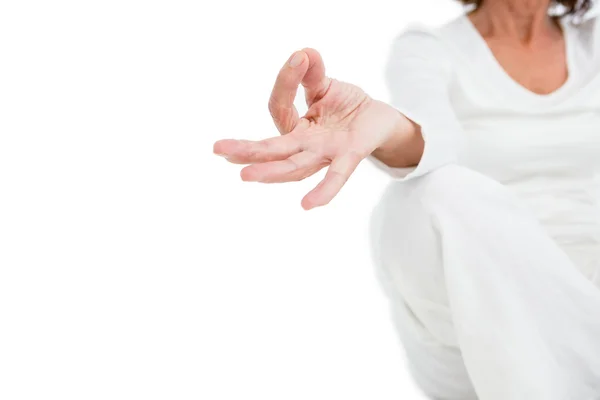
483, 294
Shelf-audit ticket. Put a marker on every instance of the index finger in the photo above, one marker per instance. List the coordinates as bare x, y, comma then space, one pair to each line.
281, 102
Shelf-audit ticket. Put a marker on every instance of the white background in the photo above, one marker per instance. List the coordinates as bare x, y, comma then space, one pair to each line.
134, 264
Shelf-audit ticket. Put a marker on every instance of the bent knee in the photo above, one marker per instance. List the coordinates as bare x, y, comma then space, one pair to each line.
455, 186
449, 190
455, 181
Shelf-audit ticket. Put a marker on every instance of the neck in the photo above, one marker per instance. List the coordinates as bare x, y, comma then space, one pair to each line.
524, 19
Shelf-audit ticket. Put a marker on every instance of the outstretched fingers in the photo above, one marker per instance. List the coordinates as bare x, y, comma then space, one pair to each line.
295, 168
250, 152
336, 177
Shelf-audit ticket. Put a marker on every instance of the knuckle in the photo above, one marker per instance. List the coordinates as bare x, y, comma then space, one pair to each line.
355, 156
251, 154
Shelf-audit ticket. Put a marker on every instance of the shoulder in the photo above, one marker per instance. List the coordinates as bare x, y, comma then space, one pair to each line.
425, 39
416, 35
428, 45
586, 30
583, 36
585, 26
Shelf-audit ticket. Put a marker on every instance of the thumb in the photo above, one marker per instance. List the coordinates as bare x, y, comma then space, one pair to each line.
315, 82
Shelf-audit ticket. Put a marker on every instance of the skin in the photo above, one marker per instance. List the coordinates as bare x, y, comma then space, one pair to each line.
343, 125
527, 43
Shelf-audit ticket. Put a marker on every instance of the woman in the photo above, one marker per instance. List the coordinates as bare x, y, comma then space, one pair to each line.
488, 239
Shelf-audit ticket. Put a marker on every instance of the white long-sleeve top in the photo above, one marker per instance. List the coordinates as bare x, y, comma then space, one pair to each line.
471, 112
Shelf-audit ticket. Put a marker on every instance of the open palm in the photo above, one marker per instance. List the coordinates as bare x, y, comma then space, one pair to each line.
342, 126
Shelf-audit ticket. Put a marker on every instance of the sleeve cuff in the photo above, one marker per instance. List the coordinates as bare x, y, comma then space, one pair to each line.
439, 149
395, 173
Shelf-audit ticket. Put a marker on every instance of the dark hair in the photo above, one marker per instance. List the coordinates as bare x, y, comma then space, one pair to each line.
573, 7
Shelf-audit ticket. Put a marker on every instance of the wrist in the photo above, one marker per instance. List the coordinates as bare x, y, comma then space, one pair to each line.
403, 144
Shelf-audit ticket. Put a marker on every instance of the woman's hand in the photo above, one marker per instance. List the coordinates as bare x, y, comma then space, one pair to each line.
342, 126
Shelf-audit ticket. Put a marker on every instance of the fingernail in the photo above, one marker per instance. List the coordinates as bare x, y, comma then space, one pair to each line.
296, 59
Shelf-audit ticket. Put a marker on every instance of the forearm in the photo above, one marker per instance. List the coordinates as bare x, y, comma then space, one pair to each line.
404, 147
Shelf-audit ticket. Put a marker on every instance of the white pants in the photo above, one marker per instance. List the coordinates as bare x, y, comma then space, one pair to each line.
486, 304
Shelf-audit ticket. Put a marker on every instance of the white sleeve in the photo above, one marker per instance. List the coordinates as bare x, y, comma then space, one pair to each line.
417, 75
